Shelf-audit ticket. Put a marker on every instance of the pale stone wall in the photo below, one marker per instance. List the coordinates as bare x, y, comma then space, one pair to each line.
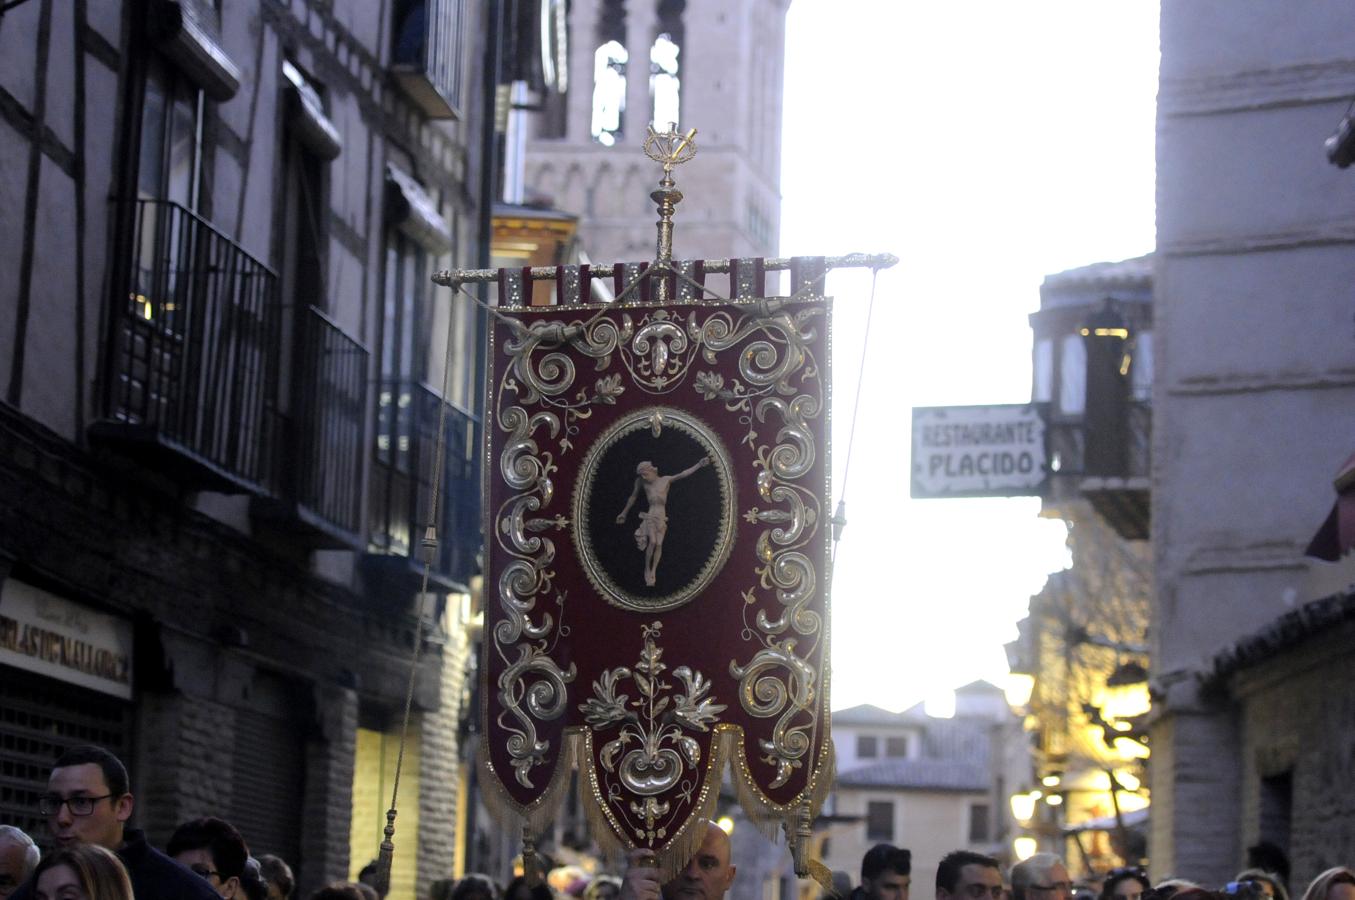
731, 71
1253, 388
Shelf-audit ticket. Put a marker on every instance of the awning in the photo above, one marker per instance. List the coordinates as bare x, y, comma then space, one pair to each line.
414, 212
1336, 537
313, 128
1136, 820
193, 45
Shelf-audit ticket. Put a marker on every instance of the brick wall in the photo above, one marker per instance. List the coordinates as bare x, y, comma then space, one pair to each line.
1298, 717
182, 769
329, 785
1195, 777
439, 783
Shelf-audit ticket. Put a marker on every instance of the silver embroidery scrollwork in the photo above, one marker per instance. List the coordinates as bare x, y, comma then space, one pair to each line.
778, 386
778, 682
532, 687
545, 698
652, 752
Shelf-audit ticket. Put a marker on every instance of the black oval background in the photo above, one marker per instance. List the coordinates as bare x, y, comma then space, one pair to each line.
694, 511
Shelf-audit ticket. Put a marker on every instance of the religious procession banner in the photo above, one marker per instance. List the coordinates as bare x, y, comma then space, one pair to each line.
657, 554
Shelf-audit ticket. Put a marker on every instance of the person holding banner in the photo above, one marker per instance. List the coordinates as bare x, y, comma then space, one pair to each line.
708, 874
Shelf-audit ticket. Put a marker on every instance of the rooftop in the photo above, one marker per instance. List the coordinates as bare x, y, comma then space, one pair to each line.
918, 774
1286, 632
1136, 272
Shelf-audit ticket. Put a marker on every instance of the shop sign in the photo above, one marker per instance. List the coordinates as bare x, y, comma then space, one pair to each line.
48, 635
978, 451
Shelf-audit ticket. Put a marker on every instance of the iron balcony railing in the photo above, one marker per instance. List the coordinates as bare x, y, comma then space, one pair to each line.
401, 482
1122, 453
192, 360
324, 469
426, 54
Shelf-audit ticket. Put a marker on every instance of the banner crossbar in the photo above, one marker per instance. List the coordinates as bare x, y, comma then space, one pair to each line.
454, 277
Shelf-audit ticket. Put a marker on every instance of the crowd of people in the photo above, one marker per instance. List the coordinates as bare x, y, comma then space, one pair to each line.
886, 874
97, 855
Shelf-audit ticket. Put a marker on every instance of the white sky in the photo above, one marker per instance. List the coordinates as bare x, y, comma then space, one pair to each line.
986, 144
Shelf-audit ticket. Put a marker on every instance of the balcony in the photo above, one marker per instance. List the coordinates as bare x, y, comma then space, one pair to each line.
1110, 462
401, 489
426, 54
320, 447
191, 361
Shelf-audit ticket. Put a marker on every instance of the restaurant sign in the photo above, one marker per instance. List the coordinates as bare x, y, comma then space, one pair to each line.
49, 635
978, 451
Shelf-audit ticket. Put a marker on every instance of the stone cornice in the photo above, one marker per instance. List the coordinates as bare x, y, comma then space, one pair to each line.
1244, 91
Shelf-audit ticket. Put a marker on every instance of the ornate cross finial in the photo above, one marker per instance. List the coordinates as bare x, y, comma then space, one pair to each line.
669, 149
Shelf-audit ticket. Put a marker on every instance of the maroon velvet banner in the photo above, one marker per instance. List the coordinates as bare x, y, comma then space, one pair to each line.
657, 562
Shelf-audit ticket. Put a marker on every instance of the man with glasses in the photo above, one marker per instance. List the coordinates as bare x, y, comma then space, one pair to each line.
1041, 877
88, 802
965, 875
213, 850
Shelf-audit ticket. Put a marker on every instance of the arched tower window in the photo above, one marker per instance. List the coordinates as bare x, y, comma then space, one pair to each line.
663, 81
664, 84
609, 73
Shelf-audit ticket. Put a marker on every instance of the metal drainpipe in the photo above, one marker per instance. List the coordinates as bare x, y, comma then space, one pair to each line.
489, 166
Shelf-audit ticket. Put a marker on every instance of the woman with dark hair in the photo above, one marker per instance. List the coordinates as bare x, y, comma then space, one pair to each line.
1337, 883
1125, 883
520, 889
475, 887
278, 876
252, 880
1268, 882
1169, 888
81, 872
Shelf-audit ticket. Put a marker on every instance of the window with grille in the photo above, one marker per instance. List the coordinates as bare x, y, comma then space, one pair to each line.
880, 820
41, 718
978, 823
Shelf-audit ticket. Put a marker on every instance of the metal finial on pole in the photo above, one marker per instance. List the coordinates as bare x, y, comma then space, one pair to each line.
386, 856
669, 149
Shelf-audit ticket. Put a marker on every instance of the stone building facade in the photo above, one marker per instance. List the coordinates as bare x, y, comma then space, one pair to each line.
1083, 646
225, 372
1253, 398
726, 83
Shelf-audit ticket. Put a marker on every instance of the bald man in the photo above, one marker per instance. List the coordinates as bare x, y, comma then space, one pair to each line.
707, 877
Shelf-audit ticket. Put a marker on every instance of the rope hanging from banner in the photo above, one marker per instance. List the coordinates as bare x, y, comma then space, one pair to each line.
429, 548
840, 514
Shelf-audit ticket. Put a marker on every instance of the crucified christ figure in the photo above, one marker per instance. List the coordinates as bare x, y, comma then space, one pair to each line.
653, 521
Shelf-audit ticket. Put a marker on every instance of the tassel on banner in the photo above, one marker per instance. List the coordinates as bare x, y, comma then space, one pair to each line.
806, 866
531, 861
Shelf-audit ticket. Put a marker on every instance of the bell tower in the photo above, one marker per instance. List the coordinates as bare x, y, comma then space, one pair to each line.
713, 65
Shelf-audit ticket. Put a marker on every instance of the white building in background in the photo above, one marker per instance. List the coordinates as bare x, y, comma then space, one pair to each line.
926, 783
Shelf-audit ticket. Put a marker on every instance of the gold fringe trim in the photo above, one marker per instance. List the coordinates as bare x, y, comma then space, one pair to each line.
542, 811
768, 817
681, 846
